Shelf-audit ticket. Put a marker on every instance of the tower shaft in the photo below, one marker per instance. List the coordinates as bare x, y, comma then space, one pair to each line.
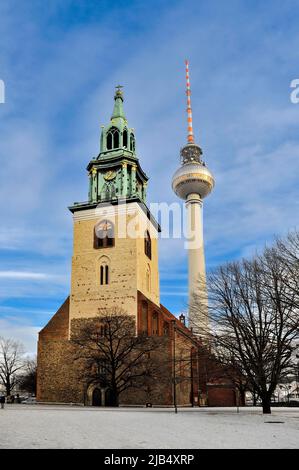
198, 307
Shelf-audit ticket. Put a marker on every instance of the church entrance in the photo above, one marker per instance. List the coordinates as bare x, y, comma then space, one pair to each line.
97, 397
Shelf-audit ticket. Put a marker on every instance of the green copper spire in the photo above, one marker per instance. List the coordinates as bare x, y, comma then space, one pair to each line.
117, 137
116, 172
118, 111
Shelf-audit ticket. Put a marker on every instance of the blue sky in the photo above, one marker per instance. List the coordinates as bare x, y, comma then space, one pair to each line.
60, 61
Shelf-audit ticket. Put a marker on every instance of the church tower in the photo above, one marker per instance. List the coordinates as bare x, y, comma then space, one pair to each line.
115, 253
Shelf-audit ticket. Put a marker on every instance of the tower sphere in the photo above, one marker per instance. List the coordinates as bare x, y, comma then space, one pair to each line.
193, 177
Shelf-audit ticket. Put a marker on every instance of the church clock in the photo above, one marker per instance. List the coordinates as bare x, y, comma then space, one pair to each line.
109, 175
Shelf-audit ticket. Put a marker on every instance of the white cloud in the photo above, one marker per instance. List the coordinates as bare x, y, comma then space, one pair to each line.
24, 275
174, 293
26, 334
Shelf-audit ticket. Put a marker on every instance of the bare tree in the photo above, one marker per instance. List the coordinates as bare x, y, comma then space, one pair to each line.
27, 380
11, 362
287, 251
253, 319
113, 355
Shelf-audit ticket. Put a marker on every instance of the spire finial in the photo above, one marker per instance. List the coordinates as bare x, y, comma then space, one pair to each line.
118, 92
118, 111
190, 136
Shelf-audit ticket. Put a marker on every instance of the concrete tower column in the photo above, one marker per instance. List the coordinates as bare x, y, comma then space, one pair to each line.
196, 263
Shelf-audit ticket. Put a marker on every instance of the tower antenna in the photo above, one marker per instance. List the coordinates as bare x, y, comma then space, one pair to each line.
190, 136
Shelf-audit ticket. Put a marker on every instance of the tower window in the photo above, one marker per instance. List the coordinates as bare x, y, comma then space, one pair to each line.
104, 275
109, 141
104, 234
132, 143
104, 270
112, 138
125, 138
116, 140
148, 245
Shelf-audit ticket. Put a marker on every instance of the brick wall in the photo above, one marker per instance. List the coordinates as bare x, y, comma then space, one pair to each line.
221, 396
57, 377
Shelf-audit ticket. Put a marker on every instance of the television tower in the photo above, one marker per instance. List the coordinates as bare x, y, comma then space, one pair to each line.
193, 182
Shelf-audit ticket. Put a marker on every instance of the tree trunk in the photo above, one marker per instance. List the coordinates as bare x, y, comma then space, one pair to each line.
266, 403
114, 398
8, 387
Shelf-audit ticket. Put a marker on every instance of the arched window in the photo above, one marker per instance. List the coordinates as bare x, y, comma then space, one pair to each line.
104, 275
125, 138
148, 245
116, 140
109, 141
132, 143
104, 234
144, 318
112, 138
104, 271
155, 324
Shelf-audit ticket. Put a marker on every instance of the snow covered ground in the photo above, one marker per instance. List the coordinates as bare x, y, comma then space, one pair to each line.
41, 426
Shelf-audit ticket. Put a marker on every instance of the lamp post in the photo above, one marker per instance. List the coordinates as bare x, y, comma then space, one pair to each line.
174, 366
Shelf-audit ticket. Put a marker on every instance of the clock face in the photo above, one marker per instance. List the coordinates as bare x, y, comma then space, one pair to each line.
109, 175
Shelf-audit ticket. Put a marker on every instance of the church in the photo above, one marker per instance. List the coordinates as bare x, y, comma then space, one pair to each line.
115, 265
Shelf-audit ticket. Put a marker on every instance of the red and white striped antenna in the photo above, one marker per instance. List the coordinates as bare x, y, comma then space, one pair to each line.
190, 136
